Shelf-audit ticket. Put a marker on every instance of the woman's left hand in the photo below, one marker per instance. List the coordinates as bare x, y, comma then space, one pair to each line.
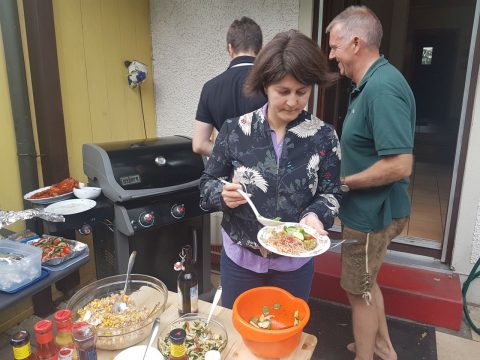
313, 221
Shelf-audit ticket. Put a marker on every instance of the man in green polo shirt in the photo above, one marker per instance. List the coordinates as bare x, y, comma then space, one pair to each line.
377, 145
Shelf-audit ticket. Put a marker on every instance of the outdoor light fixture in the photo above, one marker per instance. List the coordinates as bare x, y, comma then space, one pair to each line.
137, 73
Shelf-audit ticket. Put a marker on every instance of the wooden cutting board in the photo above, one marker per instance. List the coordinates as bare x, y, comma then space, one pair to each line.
235, 349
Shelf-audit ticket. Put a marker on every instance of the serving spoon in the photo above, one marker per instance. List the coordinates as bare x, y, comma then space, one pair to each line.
261, 219
119, 306
216, 298
153, 335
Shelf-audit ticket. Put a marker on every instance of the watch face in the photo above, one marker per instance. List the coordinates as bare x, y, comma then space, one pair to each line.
344, 188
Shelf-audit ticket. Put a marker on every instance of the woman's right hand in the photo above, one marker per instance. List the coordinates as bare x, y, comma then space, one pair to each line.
231, 196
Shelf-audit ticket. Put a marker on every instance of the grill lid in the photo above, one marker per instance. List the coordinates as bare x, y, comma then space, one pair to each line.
133, 169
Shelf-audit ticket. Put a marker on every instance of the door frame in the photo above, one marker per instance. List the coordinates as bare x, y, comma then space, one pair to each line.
463, 137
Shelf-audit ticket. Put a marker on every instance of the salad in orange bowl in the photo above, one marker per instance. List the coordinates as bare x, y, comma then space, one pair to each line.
270, 320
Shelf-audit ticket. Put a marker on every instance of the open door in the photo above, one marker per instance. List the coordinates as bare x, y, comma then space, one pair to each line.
429, 42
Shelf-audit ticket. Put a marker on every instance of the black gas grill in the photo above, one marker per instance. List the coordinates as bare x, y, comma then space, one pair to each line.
152, 186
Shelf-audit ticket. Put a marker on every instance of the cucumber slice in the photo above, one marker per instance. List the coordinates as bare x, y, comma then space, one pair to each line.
295, 231
292, 229
297, 234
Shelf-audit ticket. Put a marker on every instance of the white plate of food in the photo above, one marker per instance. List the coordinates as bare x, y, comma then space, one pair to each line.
51, 194
69, 207
293, 239
46, 200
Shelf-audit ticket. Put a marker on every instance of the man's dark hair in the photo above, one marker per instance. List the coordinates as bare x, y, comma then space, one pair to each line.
289, 53
245, 35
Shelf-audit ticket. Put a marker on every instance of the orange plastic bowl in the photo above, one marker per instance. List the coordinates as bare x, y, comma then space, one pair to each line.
270, 343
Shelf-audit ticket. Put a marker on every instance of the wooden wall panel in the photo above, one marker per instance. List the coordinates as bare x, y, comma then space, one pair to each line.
94, 38
144, 51
45, 87
10, 191
73, 80
29, 89
95, 68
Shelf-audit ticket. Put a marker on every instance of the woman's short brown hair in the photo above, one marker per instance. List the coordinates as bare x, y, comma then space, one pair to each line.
289, 53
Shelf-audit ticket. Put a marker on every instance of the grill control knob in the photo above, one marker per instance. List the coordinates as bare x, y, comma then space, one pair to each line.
178, 211
134, 225
86, 229
146, 219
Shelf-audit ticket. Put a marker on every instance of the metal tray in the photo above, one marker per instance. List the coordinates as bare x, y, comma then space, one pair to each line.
67, 263
78, 248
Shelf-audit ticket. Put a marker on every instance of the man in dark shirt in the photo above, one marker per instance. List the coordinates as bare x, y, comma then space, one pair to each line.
222, 97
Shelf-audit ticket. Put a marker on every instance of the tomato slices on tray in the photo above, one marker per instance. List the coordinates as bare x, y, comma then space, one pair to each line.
56, 250
52, 247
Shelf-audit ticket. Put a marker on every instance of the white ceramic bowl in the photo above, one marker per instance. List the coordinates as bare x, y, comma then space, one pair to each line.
136, 352
87, 192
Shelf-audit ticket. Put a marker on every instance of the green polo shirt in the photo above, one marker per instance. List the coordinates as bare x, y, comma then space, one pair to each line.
380, 121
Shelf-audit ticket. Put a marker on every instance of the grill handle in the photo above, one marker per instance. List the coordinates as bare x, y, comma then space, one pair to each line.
194, 244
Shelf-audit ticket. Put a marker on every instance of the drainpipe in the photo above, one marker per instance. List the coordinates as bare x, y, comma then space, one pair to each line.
17, 84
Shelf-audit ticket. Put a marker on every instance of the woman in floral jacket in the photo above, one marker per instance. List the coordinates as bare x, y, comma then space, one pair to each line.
285, 158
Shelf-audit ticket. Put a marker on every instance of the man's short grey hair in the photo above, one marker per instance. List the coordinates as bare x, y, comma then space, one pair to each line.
359, 21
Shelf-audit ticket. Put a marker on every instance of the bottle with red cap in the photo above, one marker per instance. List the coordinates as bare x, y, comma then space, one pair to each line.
46, 348
63, 320
66, 353
84, 338
178, 351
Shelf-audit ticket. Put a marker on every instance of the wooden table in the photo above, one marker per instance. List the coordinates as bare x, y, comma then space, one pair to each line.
235, 349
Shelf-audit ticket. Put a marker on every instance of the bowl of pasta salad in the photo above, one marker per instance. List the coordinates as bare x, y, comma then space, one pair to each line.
146, 300
201, 337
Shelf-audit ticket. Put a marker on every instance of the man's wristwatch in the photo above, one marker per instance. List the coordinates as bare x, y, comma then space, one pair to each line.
344, 187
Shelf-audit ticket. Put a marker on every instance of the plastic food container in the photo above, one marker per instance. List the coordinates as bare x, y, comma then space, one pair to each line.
20, 264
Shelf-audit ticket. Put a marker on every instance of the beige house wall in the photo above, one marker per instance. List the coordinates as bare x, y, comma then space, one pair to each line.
189, 48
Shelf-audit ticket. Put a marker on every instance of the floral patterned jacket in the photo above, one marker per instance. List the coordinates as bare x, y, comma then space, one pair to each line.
306, 178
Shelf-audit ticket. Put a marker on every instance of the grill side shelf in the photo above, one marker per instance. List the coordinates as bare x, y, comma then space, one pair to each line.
122, 221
